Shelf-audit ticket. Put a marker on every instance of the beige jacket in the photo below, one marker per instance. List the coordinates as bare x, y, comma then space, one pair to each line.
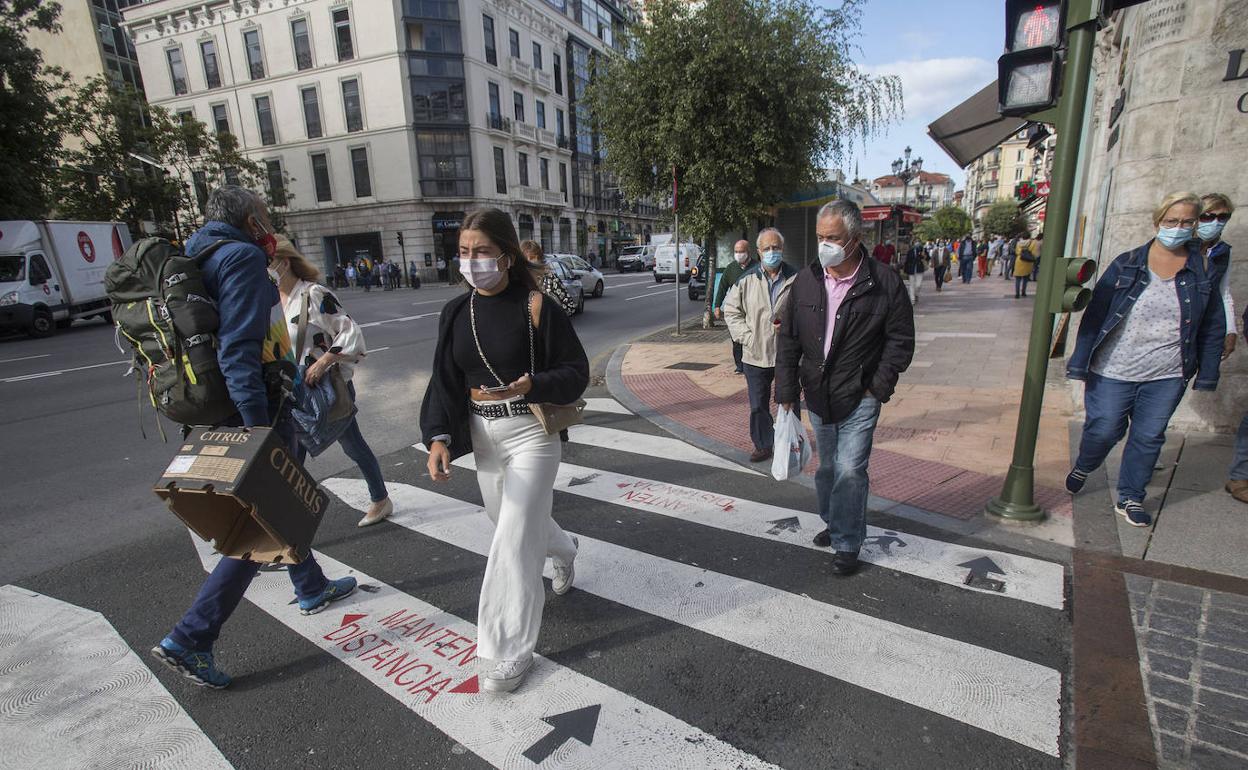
750, 315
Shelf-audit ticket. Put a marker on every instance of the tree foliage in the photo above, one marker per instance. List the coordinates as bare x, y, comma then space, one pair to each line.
30, 131
1004, 218
946, 222
748, 99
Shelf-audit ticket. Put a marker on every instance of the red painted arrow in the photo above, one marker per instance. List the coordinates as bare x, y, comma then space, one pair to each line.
467, 686
351, 619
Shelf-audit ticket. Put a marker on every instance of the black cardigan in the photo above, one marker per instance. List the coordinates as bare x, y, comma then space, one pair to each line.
562, 376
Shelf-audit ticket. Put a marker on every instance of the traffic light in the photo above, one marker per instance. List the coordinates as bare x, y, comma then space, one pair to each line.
1029, 72
1073, 296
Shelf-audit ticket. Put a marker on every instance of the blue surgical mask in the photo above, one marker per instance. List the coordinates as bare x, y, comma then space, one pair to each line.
1174, 237
1210, 231
773, 258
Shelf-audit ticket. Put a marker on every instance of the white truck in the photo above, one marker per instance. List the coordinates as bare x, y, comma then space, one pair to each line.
52, 272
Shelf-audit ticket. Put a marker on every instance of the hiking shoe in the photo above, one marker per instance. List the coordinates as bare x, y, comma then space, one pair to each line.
376, 512
506, 675
195, 666
561, 583
845, 563
823, 539
1134, 512
337, 589
1075, 480
1238, 488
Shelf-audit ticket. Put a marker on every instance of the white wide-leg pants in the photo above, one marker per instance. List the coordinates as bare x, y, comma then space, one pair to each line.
516, 466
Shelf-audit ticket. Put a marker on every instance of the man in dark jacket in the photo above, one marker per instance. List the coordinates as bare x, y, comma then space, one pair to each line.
966, 258
846, 335
252, 346
741, 264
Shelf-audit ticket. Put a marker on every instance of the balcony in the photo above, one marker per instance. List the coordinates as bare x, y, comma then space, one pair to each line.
552, 198
526, 193
496, 122
564, 142
519, 69
543, 80
524, 132
547, 138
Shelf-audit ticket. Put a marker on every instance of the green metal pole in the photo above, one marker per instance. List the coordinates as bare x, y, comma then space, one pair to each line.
1017, 498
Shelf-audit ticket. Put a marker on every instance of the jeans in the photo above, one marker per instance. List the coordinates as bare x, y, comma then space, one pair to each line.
841, 483
355, 447
516, 465
967, 266
1113, 404
1020, 285
914, 286
1239, 464
736, 354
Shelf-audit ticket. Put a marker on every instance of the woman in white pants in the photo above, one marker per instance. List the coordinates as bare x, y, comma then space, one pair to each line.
501, 348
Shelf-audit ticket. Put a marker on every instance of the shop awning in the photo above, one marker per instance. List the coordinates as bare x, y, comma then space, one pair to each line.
973, 127
877, 213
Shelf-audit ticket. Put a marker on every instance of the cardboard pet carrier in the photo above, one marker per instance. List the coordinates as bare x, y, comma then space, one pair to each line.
244, 491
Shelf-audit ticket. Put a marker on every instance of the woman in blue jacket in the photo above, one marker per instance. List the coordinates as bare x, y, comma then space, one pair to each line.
1154, 323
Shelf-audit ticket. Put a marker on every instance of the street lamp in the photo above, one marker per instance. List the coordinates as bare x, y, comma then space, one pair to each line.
905, 170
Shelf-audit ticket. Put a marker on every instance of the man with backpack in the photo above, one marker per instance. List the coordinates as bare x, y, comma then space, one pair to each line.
253, 347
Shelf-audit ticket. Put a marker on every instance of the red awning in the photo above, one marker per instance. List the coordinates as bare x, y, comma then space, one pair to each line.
877, 213
908, 215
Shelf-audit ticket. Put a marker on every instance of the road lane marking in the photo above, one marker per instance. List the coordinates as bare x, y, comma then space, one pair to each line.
631, 283
397, 320
57, 372
23, 358
668, 292
605, 405
433, 301
650, 446
378, 350
82, 697
1008, 696
425, 658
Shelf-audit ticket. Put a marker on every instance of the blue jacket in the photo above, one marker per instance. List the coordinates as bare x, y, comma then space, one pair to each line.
236, 276
1201, 313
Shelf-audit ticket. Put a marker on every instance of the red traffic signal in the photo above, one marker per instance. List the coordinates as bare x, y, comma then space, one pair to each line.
1033, 24
1072, 295
1029, 72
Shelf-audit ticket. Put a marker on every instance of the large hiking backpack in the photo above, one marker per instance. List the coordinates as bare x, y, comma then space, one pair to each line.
161, 307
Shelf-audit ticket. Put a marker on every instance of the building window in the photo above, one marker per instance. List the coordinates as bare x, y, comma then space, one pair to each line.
563, 180
496, 105
445, 162
359, 172
439, 101
303, 44
320, 177
541, 114
220, 119
255, 55
435, 66
1019, 159
311, 111
264, 118
537, 55
500, 172
199, 179
524, 169
558, 68
514, 38
1018, 174
187, 119
559, 122
351, 105
212, 71
543, 172
518, 101
277, 182
177, 70
231, 176
491, 54
342, 34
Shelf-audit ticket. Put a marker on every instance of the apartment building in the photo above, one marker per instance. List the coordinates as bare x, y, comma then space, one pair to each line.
928, 191
90, 42
397, 117
999, 174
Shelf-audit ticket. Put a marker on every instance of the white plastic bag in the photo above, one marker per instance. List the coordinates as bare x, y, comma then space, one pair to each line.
792, 450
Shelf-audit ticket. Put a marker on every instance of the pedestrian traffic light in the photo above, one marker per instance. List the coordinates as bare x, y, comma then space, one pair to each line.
1073, 296
1029, 72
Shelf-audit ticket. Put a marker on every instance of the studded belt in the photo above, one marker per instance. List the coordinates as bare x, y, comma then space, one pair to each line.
496, 410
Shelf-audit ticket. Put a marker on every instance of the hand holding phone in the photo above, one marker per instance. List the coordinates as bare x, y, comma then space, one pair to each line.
495, 389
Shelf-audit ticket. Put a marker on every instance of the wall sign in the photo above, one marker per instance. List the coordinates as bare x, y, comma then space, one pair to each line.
1237, 69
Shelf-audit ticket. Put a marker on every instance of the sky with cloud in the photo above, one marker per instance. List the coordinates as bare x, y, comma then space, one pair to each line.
943, 51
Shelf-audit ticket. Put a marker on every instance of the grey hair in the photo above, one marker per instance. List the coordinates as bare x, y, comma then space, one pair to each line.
758, 242
232, 205
847, 211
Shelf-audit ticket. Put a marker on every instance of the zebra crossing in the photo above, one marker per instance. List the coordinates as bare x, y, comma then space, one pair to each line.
703, 630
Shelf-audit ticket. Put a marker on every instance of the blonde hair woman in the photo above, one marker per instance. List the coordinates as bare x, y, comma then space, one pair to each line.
331, 339
1154, 323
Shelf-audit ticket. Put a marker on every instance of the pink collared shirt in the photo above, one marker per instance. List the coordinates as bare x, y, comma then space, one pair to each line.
837, 288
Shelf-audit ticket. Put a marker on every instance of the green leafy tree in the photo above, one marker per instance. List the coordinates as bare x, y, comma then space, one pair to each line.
30, 132
945, 222
1004, 218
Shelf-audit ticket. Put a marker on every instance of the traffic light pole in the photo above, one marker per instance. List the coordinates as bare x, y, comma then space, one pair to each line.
1017, 498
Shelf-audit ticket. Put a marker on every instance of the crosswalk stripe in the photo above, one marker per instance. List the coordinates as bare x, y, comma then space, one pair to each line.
609, 405
1026, 579
73, 694
424, 658
1005, 695
650, 446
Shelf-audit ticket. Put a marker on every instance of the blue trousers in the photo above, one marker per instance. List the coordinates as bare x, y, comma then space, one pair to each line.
1113, 405
354, 446
1239, 465
841, 483
967, 267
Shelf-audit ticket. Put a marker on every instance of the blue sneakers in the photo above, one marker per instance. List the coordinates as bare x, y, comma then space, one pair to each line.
1075, 480
195, 666
1134, 512
337, 589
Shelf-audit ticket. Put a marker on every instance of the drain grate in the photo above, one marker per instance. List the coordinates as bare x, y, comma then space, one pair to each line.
692, 366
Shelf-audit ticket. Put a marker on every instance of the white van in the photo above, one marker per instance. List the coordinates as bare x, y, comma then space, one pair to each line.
52, 272
666, 263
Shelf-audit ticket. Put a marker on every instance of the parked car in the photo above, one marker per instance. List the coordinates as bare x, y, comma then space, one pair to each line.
636, 259
697, 280
582, 270
665, 262
571, 284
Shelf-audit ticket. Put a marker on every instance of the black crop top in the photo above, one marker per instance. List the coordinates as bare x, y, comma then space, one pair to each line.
504, 336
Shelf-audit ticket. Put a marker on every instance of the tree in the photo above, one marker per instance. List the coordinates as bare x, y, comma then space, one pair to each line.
30, 132
1004, 218
947, 222
746, 99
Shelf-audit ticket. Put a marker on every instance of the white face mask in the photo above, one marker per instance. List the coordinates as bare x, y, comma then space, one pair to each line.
741, 256
831, 254
481, 272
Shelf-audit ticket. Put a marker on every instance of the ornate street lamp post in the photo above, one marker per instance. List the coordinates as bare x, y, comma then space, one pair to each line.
905, 170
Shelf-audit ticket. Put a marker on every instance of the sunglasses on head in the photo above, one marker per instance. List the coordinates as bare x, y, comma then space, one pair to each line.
1224, 217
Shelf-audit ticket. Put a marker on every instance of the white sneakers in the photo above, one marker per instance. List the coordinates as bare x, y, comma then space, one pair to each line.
561, 583
506, 675
377, 512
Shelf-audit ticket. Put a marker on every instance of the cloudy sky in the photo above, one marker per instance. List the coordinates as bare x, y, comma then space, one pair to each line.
943, 51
